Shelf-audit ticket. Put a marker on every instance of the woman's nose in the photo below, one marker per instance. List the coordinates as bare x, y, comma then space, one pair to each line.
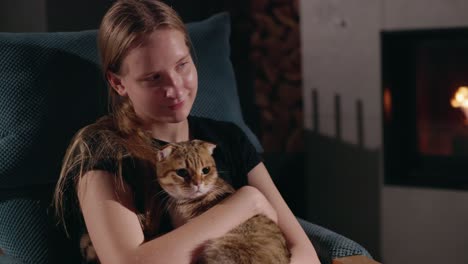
174, 87
174, 92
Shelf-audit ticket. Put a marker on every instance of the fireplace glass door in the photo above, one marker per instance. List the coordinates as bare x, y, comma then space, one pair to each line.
425, 107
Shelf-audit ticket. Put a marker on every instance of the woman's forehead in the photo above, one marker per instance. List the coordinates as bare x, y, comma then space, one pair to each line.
160, 49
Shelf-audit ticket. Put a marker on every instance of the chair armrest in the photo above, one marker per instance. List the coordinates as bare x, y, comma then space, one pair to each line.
330, 245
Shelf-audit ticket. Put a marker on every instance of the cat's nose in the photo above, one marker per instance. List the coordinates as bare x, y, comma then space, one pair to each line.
196, 188
196, 181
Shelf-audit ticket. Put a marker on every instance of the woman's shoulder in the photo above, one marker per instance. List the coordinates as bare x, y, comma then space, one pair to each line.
97, 140
103, 124
102, 128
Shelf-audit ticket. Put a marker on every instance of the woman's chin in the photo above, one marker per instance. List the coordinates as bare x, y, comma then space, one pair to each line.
179, 119
179, 115
174, 117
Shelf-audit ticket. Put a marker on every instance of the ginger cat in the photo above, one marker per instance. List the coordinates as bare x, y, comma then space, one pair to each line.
187, 172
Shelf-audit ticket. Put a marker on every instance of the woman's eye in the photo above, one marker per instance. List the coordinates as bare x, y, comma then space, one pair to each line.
154, 78
182, 173
206, 170
182, 65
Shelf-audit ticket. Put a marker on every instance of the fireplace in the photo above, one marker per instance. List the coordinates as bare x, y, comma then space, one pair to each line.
425, 115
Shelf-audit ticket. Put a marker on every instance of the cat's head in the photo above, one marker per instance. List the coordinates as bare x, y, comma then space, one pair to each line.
186, 170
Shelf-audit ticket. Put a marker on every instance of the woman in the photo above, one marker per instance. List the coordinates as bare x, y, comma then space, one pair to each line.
146, 59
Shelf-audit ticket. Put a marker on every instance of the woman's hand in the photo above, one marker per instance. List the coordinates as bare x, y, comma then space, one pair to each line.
303, 256
261, 205
256, 199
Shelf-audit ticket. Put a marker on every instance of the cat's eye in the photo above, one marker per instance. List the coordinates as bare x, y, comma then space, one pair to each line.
206, 170
182, 172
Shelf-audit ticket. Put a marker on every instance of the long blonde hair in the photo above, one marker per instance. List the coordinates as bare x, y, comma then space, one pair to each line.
119, 134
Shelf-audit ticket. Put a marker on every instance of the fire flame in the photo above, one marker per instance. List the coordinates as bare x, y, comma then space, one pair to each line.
460, 100
387, 100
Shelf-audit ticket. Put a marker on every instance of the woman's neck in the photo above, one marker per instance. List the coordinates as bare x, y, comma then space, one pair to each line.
171, 132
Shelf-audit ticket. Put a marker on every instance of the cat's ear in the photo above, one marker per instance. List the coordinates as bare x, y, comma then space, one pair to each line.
164, 152
209, 146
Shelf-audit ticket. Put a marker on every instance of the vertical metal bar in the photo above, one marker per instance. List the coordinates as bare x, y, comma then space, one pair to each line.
338, 132
315, 111
360, 123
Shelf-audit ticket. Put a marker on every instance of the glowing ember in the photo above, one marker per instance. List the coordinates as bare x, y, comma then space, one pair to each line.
460, 100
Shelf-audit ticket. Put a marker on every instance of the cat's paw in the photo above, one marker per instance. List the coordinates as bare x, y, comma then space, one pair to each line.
87, 249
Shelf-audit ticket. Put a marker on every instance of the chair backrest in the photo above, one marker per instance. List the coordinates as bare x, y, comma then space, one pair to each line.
51, 86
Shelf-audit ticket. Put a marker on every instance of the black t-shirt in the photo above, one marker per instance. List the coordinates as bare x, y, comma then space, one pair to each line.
234, 155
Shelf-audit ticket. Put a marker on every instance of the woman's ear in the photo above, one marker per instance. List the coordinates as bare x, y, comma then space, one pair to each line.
116, 82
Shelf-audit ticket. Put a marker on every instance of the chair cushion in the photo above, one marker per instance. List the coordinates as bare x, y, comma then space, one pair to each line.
52, 85
217, 94
23, 231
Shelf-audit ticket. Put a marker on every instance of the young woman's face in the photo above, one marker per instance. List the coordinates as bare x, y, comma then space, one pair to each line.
160, 78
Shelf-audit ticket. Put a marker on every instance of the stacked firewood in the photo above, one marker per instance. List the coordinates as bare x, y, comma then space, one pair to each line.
276, 55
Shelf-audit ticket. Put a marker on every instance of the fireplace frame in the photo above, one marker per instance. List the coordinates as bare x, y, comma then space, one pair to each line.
403, 164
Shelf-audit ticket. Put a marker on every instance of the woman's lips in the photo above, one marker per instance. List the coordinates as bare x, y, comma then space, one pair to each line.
177, 106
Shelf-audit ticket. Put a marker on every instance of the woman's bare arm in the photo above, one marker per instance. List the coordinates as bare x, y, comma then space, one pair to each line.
301, 248
117, 236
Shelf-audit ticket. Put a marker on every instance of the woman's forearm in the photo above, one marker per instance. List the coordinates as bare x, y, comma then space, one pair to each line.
178, 245
301, 248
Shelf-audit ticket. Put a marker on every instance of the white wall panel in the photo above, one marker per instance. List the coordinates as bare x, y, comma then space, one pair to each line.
340, 42
410, 14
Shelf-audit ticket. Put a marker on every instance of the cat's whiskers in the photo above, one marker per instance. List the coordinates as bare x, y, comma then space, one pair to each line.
165, 199
171, 203
160, 193
217, 189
